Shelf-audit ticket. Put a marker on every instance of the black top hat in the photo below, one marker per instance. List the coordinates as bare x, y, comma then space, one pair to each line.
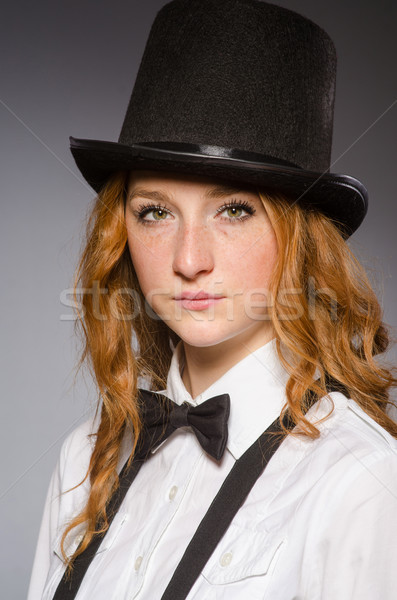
236, 89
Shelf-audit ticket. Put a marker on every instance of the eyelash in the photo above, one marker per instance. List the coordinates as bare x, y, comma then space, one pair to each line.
246, 206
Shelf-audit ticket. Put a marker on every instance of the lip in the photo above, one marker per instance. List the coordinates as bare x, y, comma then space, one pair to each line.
198, 300
200, 295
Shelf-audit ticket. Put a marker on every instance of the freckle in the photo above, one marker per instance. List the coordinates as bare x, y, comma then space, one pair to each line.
225, 232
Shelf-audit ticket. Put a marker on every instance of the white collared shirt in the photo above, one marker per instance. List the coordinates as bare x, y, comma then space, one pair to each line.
320, 523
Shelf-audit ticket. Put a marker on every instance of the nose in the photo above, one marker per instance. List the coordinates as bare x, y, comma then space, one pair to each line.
193, 253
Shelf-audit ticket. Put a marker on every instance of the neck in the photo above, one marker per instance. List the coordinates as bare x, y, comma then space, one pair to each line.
205, 365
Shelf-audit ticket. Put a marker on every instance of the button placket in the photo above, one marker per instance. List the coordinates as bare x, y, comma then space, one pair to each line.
174, 486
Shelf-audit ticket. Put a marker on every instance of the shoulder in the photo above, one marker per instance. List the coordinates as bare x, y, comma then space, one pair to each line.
65, 496
350, 429
349, 472
352, 452
353, 460
366, 457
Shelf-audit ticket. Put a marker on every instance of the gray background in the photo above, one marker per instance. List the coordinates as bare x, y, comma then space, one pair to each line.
67, 69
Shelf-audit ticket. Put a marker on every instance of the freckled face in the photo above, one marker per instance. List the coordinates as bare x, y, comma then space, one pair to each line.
203, 254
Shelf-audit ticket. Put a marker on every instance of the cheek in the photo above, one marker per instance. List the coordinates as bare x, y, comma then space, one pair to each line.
138, 261
260, 263
265, 260
150, 258
252, 263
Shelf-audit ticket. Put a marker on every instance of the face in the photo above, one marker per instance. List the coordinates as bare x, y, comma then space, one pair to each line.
203, 252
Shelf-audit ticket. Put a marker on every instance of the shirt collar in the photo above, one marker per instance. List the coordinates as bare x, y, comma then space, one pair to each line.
256, 386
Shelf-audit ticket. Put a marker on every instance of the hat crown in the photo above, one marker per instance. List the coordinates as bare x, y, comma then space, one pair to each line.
240, 74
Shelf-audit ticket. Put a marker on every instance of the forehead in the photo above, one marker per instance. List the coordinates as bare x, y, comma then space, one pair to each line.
167, 181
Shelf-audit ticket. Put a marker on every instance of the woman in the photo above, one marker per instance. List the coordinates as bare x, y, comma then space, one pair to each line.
216, 272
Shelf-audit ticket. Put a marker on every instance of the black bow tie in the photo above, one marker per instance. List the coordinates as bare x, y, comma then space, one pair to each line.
161, 417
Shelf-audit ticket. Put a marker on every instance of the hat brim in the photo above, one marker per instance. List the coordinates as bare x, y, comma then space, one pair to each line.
342, 198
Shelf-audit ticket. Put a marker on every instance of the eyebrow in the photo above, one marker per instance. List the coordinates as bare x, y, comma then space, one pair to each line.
219, 191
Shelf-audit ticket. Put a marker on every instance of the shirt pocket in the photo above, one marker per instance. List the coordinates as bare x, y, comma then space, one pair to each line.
241, 565
57, 566
107, 542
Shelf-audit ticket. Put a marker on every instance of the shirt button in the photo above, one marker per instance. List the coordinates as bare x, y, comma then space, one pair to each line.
138, 563
226, 559
173, 492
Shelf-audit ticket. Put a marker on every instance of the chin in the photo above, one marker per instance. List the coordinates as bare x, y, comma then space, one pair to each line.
209, 334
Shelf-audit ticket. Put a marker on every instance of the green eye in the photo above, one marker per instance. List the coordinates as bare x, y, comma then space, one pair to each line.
159, 214
149, 214
234, 211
